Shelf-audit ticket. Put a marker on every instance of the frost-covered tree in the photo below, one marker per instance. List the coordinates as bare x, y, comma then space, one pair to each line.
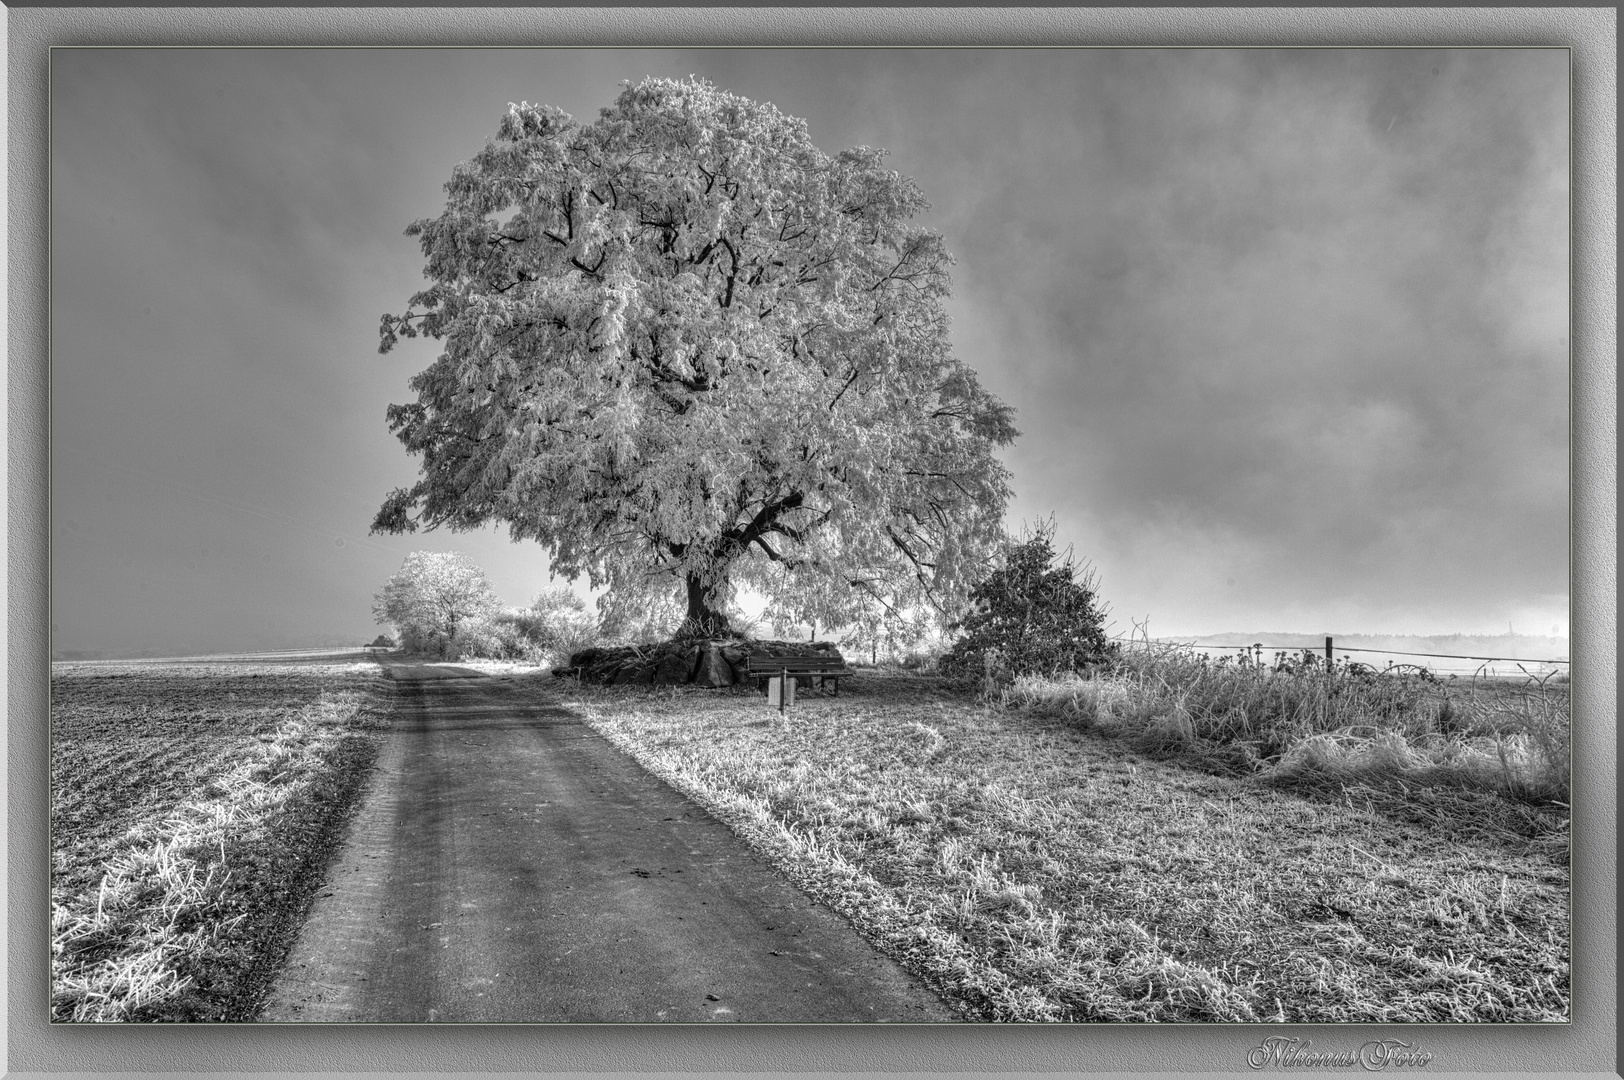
686, 350
431, 593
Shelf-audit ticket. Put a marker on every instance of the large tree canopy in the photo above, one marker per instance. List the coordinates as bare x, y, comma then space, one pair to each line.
683, 344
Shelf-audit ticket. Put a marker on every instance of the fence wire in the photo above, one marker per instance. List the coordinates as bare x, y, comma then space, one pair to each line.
1317, 650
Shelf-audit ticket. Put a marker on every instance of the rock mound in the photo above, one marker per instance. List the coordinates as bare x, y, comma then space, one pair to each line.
675, 663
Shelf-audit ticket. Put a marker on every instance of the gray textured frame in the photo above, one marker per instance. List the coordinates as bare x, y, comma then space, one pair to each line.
1585, 1046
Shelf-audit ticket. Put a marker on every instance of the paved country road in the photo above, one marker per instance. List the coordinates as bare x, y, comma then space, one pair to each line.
509, 864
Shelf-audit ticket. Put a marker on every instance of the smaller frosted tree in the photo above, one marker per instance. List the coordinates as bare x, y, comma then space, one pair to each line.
431, 593
1041, 616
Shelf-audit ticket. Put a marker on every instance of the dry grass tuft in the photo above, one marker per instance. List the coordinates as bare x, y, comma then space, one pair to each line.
1303, 728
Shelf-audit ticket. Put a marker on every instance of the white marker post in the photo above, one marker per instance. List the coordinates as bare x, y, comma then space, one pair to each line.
781, 691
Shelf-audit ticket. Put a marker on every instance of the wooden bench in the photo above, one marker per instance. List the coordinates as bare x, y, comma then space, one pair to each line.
818, 667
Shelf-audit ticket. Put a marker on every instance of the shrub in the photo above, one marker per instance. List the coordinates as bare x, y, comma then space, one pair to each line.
422, 640
1042, 617
558, 604
524, 624
488, 638
922, 660
557, 624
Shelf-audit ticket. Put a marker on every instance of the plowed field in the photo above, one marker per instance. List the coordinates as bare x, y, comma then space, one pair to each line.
202, 795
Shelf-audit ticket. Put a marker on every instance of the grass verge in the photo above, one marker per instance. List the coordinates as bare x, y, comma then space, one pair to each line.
1400, 732
1030, 870
194, 806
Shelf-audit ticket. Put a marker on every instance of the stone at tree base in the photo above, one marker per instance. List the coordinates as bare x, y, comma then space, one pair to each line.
673, 669
586, 657
714, 670
734, 657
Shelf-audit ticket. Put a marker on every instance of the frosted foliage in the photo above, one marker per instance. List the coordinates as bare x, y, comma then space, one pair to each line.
563, 612
682, 343
430, 595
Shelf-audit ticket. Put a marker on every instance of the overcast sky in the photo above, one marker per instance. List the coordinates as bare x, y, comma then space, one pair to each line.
1286, 331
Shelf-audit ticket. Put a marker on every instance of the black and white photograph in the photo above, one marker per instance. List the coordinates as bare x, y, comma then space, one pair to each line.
811, 536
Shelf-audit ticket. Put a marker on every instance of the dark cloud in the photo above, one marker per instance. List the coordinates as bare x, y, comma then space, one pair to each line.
1294, 319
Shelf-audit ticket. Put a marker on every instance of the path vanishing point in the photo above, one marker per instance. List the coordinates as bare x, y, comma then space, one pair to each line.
509, 864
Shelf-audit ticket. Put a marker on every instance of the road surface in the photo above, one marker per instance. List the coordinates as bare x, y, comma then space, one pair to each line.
509, 864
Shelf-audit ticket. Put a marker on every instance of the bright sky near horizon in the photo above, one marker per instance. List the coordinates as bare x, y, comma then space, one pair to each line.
1285, 330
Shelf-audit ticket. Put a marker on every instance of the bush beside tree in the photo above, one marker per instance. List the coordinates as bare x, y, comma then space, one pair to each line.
559, 622
1035, 614
555, 625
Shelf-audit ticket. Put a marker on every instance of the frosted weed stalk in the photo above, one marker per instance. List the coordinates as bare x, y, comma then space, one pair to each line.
161, 905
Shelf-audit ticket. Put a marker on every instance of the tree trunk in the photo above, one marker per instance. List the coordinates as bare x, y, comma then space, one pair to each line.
705, 618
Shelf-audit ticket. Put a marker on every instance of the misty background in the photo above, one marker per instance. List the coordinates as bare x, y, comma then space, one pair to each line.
1285, 330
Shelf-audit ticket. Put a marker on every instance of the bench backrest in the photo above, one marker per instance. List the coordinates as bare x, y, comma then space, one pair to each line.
793, 664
